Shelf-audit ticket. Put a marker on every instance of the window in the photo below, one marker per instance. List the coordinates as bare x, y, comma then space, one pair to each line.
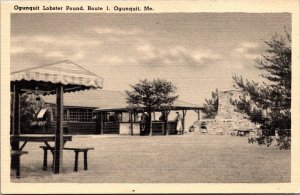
76, 115
73, 114
80, 115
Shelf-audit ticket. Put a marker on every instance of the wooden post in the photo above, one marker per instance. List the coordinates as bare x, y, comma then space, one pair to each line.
198, 113
17, 107
166, 123
131, 125
16, 122
98, 123
183, 120
101, 123
85, 160
150, 123
76, 161
58, 149
16, 111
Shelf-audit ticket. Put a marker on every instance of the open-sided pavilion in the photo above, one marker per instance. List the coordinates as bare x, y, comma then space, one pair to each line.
57, 78
176, 106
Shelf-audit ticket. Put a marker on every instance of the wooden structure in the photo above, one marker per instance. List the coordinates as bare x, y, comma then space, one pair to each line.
110, 113
184, 107
76, 151
78, 115
85, 157
37, 138
177, 106
57, 78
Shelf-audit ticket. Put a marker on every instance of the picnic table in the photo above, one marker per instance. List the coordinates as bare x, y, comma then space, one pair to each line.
45, 138
25, 138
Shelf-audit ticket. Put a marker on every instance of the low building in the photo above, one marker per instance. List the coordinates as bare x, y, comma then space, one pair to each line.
78, 109
102, 112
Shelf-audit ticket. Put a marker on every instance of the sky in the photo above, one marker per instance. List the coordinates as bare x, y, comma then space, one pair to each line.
198, 52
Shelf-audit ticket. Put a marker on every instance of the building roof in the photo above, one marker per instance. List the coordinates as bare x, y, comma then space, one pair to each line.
92, 99
178, 104
67, 73
103, 100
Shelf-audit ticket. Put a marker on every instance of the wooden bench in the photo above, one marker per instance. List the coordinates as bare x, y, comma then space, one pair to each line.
76, 150
45, 149
17, 154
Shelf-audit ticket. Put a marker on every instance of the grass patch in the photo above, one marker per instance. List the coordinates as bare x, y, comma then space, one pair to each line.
163, 159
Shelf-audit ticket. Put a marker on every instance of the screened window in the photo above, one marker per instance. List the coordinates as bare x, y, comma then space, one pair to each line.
80, 115
76, 115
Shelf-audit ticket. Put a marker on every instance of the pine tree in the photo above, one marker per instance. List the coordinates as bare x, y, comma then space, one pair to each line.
269, 103
210, 107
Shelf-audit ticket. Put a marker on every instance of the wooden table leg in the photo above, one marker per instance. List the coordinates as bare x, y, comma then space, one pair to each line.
15, 158
76, 161
52, 152
45, 159
85, 161
18, 166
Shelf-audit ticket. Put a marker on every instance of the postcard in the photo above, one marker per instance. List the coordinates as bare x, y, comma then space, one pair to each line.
150, 96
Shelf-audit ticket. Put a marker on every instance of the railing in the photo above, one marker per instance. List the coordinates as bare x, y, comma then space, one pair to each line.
110, 127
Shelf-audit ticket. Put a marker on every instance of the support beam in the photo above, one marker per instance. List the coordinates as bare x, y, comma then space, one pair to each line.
97, 124
17, 111
183, 120
198, 113
101, 123
58, 149
131, 125
16, 124
167, 130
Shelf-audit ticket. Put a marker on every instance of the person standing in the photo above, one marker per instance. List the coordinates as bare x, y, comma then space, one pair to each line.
163, 116
144, 123
179, 127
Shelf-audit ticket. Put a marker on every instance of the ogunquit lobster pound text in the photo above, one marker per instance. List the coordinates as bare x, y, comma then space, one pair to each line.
84, 8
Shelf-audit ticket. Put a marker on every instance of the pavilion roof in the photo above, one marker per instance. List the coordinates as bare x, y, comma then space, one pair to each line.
45, 77
177, 105
103, 100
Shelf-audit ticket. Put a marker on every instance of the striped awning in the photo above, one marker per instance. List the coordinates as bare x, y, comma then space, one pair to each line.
65, 72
